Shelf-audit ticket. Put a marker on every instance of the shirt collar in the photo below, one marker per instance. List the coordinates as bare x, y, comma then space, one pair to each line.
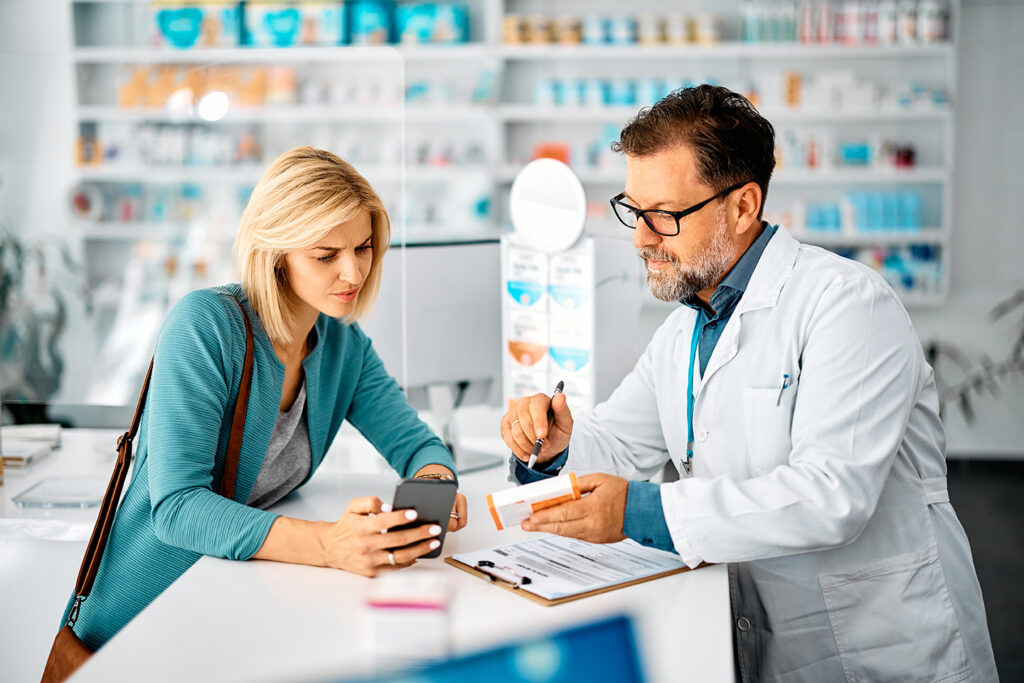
730, 289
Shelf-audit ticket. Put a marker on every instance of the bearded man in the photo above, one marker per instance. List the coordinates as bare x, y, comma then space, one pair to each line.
791, 393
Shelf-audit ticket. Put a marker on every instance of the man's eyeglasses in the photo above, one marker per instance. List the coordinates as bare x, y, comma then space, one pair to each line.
662, 222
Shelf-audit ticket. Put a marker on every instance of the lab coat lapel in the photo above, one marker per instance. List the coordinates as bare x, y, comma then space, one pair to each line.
766, 283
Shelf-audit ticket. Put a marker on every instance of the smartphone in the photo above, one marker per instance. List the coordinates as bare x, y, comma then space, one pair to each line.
432, 499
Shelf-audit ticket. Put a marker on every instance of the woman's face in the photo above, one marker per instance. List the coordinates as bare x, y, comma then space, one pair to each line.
328, 276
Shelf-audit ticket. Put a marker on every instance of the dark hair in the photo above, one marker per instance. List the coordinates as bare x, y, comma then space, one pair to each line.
731, 141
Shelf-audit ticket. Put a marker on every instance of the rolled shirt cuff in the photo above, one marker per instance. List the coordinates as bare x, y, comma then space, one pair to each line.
644, 520
519, 472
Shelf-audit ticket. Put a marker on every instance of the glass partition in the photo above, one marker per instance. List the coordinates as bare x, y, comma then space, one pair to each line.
123, 173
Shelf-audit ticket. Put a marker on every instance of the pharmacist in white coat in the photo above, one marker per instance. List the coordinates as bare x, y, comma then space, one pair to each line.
812, 460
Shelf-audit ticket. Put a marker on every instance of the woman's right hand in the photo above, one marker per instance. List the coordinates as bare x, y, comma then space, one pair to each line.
360, 541
527, 420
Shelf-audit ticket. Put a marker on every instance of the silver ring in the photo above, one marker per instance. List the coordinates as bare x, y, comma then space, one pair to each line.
455, 515
391, 558
513, 423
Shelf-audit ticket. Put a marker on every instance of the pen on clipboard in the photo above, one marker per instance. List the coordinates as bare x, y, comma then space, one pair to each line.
551, 418
503, 574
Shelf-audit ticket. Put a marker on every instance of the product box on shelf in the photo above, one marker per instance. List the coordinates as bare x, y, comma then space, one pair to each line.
370, 22
270, 23
432, 22
186, 25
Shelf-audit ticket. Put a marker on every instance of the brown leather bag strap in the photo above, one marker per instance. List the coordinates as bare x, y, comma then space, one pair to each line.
105, 518
227, 480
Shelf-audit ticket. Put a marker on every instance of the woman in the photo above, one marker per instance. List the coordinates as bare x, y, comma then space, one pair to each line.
309, 247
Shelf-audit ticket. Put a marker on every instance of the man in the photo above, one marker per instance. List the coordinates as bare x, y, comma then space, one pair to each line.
810, 450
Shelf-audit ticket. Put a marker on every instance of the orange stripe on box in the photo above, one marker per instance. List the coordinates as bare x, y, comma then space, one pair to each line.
575, 486
551, 502
494, 513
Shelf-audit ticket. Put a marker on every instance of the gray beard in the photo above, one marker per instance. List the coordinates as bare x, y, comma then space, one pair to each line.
707, 269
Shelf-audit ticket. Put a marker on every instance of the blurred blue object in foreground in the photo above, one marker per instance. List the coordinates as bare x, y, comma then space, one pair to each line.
603, 651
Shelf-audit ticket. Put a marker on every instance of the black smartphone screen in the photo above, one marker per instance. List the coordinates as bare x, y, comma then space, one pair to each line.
432, 499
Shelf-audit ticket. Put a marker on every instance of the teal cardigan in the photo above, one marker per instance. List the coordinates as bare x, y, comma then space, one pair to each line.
170, 514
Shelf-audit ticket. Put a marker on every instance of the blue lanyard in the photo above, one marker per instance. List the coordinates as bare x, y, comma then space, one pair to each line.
697, 324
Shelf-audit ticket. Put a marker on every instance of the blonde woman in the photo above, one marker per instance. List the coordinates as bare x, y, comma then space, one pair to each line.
309, 247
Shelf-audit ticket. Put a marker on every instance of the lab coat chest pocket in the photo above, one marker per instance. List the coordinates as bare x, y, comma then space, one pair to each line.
893, 620
767, 418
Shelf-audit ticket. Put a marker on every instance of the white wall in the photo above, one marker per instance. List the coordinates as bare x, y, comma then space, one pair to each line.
988, 238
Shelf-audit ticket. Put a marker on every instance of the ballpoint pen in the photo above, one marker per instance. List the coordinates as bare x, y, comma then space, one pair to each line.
785, 385
551, 417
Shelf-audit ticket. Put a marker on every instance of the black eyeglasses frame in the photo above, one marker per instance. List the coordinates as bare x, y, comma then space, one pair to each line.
677, 215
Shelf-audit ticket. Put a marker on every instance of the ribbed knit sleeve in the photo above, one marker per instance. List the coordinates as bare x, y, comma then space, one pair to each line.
380, 412
198, 357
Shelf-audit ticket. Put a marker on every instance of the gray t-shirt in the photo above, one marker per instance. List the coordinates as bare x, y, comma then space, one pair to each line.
288, 458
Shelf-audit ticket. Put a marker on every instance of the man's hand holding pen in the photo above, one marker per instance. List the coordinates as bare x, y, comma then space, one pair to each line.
527, 420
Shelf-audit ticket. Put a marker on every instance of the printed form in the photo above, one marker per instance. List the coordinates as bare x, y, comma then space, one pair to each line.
558, 567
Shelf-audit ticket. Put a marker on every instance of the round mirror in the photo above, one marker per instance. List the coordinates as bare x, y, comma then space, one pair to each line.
548, 205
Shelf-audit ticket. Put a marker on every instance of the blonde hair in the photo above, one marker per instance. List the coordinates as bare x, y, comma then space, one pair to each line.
304, 195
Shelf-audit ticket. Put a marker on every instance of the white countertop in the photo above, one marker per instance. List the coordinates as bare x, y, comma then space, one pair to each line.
264, 621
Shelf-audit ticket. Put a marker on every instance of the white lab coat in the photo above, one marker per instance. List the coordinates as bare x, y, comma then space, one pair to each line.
828, 498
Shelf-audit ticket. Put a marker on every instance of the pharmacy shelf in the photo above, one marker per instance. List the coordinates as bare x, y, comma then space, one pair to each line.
414, 234
526, 113
837, 176
834, 176
930, 236
291, 55
507, 131
922, 300
724, 50
289, 114
169, 231
249, 174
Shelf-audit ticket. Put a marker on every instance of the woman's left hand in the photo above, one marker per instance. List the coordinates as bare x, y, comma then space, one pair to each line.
458, 517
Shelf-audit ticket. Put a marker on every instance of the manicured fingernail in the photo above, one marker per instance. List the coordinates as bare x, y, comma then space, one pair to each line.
410, 514
385, 507
434, 530
434, 545
527, 526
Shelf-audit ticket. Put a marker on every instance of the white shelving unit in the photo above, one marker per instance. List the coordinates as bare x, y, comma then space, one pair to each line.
507, 126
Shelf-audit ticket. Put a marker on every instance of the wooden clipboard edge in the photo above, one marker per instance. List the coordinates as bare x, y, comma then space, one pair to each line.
546, 602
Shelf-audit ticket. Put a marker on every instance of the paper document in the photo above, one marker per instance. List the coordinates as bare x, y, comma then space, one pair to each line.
558, 567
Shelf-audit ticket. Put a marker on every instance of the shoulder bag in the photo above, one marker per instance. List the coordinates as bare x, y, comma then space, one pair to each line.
68, 651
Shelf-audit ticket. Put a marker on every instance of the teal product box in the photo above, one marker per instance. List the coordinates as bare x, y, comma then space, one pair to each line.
370, 22
179, 27
432, 23
273, 24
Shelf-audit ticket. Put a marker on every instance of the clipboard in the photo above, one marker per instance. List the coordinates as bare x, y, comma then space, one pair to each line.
507, 583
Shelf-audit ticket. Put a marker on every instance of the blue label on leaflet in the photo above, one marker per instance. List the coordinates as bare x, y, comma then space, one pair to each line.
569, 359
525, 293
568, 297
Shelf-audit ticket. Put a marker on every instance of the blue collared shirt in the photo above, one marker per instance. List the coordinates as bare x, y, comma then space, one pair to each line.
644, 516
